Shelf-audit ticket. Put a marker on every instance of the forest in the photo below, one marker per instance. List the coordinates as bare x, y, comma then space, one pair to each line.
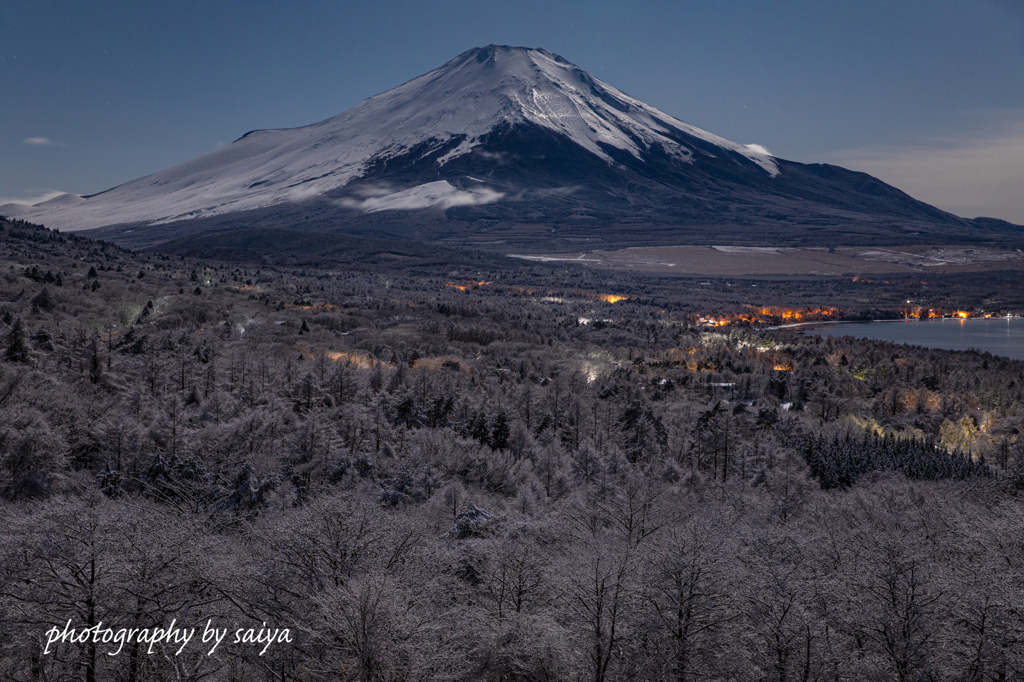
433, 464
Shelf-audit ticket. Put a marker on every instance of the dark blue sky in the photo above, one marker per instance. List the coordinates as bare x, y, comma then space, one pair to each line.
927, 94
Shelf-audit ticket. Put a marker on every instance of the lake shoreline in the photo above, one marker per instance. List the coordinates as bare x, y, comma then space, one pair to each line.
975, 333
822, 323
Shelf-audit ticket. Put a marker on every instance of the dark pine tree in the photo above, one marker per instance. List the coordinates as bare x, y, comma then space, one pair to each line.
17, 347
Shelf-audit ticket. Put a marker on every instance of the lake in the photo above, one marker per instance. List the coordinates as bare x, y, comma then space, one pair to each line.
999, 336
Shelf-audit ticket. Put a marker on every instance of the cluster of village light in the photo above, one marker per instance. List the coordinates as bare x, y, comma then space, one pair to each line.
467, 287
764, 315
933, 314
547, 295
772, 315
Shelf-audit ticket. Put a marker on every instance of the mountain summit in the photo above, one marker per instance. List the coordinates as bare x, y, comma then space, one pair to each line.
503, 144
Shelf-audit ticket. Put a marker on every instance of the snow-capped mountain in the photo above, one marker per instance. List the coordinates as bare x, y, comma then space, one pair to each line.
499, 134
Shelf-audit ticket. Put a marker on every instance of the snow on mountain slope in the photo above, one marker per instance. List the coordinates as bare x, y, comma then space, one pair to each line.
455, 105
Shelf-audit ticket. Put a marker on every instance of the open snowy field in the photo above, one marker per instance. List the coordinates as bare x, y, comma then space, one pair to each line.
752, 260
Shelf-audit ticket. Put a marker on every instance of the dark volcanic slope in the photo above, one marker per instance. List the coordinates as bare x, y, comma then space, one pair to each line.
516, 148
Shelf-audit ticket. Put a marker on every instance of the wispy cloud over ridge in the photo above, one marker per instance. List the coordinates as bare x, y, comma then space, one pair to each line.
37, 140
31, 201
440, 194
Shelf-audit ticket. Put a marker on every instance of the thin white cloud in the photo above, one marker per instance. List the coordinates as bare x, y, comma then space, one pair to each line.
31, 201
440, 194
37, 140
979, 174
